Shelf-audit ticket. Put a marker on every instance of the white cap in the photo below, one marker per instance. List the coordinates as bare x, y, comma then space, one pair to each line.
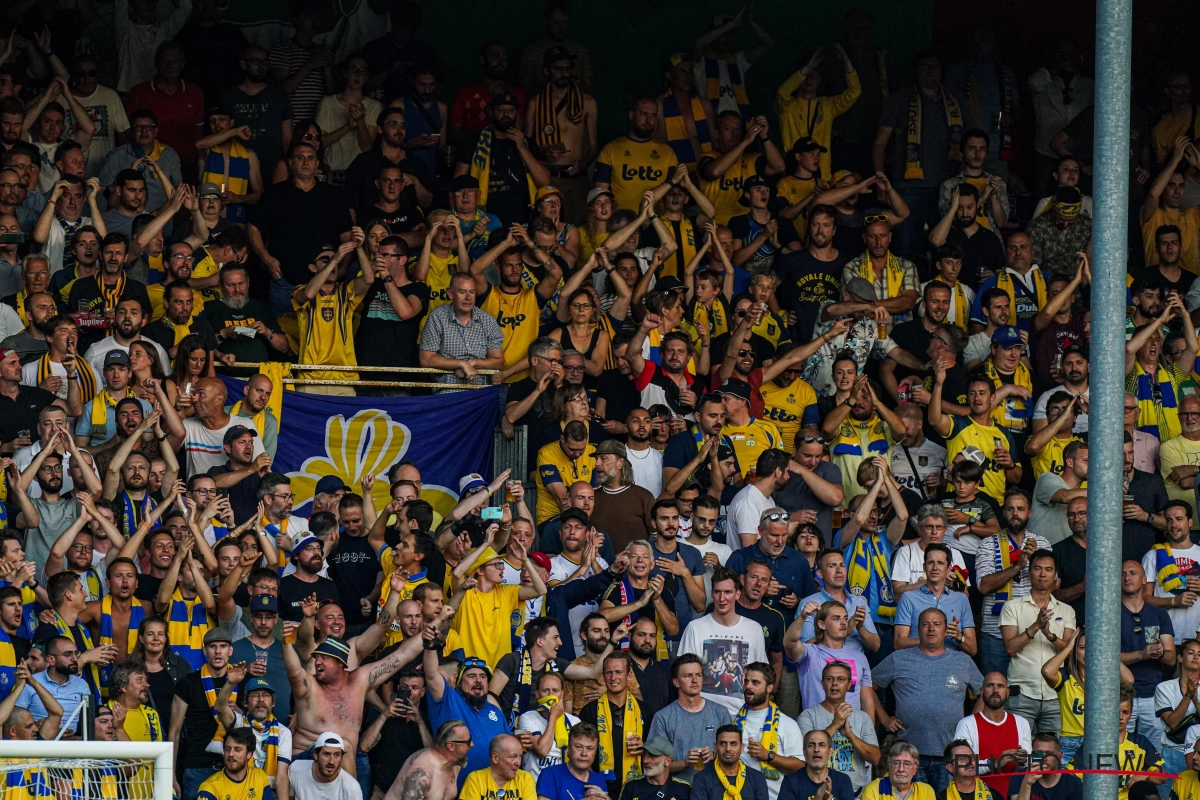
330, 739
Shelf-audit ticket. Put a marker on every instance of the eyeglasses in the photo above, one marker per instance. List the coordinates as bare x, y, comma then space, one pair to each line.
468, 742
288, 496
1189, 413
572, 369
79, 548
1130, 409
869, 218
51, 468
145, 127
204, 491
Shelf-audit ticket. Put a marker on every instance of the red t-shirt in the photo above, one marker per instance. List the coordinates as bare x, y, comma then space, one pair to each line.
755, 379
470, 109
179, 117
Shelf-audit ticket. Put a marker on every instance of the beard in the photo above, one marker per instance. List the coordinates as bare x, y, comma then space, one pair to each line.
641, 652
236, 303
1016, 526
502, 124
474, 701
596, 647
961, 222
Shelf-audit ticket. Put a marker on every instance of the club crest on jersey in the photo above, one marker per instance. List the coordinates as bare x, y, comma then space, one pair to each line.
327, 314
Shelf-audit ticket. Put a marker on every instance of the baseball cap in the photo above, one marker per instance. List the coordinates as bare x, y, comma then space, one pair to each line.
116, 357
460, 182
678, 58
596, 192
264, 603
330, 484
237, 431
545, 192
334, 648
217, 635
750, 183
329, 739
669, 284
611, 447
806, 144
469, 482
504, 99
208, 190
575, 513
1007, 336
305, 542
218, 110
844, 173
557, 53
861, 288
659, 746
973, 454
735, 388
259, 685
5, 352
127, 401
542, 560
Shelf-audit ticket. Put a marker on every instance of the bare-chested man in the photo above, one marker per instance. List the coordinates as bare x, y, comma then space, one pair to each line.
331, 699
432, 773
118, 614
322, 621
561, 123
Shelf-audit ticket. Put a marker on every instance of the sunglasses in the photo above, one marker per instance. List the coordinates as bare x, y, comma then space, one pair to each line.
811, 439
869, 218
778, 516
745, 352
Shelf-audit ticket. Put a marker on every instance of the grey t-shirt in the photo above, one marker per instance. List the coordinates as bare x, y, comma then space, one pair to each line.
797, 496
844, 758
935, 138
929, 692
1049, 519
686, 730
53, 519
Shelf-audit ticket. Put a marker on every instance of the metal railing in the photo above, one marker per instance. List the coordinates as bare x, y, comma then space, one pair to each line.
376, 384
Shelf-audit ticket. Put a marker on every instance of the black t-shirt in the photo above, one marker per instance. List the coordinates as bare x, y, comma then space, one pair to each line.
806, 284
508, 183
148, 586
162, 690
1180, 286
382, 54
509, 665
620, 395
21, 413
772, 625
402, 220
243, 495
294, 223
1048, 345
246, 349
292, 590
657, 690
588, 714
199, 724
354, 566
1150, 494
539, 420
398, 740
360, 189
643, 789
1071, 559
383, 339
981, 251
912, 337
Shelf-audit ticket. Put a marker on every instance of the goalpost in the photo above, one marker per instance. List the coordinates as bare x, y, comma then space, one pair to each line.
76, 770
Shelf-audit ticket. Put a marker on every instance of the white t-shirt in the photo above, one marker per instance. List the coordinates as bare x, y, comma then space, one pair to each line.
562, 568
1167, 697
909, 563
647, 469
260, 755
726, 651
107, 111
533, 722
745, 509
56, 242
206, 448
96, 353
929, 458
1039, 408
791, 743
968, 728
305, 786
979, 347
723, 553
1185, 621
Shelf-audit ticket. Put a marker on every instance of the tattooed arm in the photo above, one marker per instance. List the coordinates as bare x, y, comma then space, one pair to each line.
367, 641
409, 649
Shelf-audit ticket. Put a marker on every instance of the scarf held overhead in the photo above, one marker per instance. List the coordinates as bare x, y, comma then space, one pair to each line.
913, 152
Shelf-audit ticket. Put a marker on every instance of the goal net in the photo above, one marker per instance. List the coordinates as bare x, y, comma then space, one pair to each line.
72, 770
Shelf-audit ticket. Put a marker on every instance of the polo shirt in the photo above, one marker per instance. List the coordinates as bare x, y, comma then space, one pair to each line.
1025, 668
69, 695
1146, 674
955, 605
853, 601
180, 115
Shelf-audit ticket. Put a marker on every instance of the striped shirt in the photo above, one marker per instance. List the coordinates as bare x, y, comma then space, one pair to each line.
205, 447
292, 56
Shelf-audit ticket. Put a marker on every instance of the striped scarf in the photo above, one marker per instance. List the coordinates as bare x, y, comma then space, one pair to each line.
69, 229
481, 165
545, 114
187, 622
962, 309
285, 556
769, 738
149, 722
632, 725
210, 696
627, 596
85, 636
270, 743
712, 83
893, 280
869, 568
677, 133
524, 683
83, 373
111, 296
1158, 405
8, 664
1007, 551
1166, 573
913, 149
93, 584
1005, 282
25, 783
135, 512
137, 613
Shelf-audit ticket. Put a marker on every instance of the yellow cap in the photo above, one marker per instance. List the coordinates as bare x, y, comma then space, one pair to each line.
488, 556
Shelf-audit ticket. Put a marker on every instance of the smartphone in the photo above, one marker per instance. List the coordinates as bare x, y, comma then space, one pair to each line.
404, 693
492, 512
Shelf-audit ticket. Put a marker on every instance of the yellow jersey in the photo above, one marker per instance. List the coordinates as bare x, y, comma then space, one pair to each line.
1051, 457
751, 440
855, 441
790, 407
555, 466
483, 622
1070, 703
327, 329
630, 167
157, 293
799, 117
966, 431
205, 267
920, 791
795, 190
684, 234
726, 191
480, 785
518, 316
1134, 753
772, 328
255, 786
1186, 786
438, 280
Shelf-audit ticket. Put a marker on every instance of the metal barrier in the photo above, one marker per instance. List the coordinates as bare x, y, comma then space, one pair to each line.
378, 384
511, 453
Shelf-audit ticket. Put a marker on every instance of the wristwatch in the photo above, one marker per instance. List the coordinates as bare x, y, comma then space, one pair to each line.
770, 756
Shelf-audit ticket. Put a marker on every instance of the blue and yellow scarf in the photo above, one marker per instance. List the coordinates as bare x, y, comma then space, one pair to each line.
137, 613
1166, 573
869, 567
187, 623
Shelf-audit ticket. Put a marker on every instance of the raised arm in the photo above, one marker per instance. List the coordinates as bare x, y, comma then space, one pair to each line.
1154, 194
381, 671
162, 601
1063, 299
937, 420
860, 517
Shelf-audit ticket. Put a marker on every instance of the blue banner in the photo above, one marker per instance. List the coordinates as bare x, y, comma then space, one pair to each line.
447, 436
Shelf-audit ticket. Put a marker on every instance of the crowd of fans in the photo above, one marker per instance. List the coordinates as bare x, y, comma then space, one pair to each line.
804, 396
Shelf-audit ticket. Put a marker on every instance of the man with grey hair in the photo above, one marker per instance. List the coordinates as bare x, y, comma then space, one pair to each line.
461, 337
908, 567
530, 401
622, 507
432, 773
